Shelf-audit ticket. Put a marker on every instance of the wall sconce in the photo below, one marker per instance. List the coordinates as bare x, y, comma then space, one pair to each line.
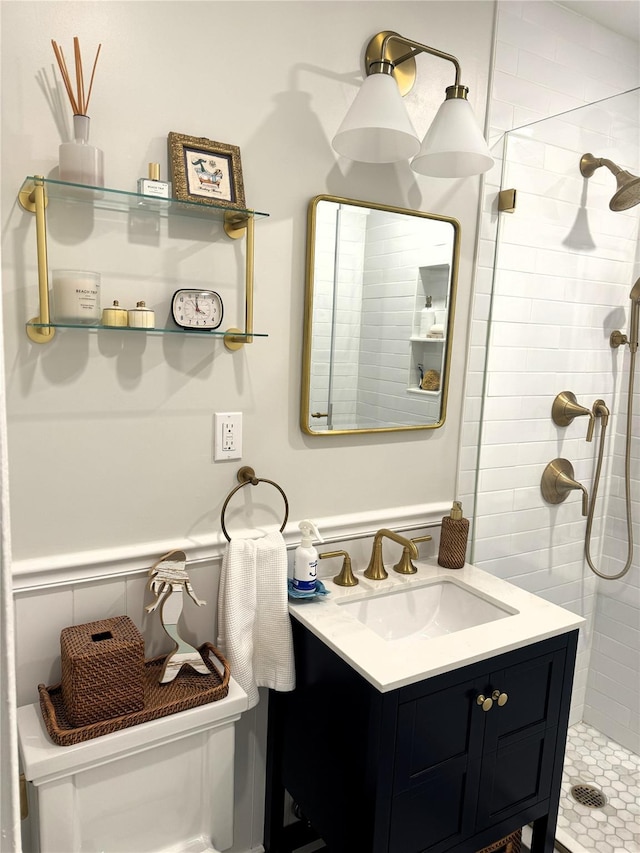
377, 127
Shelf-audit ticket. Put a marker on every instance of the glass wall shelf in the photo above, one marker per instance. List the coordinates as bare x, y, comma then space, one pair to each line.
194, 333
34, 196
104, 198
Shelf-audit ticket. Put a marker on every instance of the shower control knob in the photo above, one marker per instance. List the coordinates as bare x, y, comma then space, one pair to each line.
500, 698
485, 702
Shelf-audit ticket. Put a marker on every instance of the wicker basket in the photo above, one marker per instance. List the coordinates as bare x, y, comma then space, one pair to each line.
509, 844
188, 690
102, 670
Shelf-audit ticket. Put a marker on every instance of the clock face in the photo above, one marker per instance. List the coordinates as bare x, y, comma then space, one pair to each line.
197, 309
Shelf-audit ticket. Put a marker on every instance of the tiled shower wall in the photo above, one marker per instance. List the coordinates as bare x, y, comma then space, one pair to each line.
394, 292
565, 265
346, 262
374, 380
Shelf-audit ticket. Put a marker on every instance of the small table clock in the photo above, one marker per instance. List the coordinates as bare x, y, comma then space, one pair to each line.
197, 309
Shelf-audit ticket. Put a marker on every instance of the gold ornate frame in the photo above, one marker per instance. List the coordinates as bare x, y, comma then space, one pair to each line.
222, 187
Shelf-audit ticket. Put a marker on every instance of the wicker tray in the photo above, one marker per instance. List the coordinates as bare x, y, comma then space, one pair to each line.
510, 844
187, 690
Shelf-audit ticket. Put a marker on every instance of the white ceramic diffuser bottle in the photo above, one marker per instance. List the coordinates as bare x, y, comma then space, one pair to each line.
79, 161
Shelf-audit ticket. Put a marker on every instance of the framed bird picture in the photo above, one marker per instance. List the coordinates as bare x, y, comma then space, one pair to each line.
206, 171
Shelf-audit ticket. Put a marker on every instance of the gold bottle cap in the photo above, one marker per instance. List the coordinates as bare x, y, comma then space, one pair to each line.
456, 510
154, 171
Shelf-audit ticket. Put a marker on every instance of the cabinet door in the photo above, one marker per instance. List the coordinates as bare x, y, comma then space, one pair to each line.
520, 737
438, 752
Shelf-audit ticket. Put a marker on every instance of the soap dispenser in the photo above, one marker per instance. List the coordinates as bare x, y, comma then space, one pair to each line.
453, 538
305, 567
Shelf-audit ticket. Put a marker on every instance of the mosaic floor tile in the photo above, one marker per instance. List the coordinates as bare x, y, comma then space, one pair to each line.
591, 759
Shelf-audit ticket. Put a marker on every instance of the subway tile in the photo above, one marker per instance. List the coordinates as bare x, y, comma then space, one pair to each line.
532, 36
549, 73
520, 93
559, 21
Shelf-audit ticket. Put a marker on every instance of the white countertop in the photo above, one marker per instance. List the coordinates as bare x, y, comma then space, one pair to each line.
389, 664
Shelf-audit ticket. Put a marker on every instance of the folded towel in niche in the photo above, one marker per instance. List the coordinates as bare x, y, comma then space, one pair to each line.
254, 631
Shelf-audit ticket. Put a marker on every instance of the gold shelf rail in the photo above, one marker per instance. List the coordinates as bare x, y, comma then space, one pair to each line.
33, 198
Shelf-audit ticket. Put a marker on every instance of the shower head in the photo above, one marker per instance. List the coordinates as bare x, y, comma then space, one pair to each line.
628, 192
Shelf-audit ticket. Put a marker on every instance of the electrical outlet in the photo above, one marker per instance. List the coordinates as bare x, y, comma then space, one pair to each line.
227, 443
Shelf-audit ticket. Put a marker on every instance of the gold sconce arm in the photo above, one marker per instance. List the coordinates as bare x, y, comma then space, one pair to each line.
415, 49
387, 52
235, 226
35, 201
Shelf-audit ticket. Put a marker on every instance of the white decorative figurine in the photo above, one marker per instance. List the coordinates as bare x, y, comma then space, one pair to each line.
168, 579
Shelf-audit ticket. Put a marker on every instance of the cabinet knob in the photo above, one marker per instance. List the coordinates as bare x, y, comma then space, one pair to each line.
500, 698
485, 702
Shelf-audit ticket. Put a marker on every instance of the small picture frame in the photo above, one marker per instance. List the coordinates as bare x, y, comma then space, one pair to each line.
206, 171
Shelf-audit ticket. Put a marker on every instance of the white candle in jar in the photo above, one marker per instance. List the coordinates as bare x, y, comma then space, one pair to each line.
76, 296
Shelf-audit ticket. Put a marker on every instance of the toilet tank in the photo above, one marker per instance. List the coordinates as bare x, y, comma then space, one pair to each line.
165, 786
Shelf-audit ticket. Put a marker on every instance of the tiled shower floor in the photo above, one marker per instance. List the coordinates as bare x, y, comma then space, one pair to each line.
592, 759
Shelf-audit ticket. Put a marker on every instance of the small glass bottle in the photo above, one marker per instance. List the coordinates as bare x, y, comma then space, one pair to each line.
153, 186
427, 318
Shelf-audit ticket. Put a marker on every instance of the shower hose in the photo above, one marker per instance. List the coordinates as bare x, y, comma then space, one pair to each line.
627, 485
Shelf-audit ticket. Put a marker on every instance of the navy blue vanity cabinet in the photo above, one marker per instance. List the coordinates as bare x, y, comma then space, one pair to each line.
429, 768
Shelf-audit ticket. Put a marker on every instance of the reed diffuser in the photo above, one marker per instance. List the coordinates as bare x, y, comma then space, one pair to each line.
80, 162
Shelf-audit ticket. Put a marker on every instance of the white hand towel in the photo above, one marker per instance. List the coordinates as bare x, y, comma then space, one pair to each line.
254, 632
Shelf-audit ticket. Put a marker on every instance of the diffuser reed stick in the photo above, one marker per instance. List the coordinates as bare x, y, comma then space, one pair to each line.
79, 103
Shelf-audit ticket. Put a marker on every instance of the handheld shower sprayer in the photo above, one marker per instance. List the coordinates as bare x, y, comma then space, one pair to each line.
618, 338
635, 316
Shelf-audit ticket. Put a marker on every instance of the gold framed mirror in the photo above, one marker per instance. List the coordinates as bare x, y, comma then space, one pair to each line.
378, 320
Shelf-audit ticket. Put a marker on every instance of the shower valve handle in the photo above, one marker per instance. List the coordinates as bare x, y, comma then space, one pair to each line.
566, 407
558, 480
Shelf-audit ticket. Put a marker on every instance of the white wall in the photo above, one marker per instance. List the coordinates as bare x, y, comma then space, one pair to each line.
566, 264
109, 437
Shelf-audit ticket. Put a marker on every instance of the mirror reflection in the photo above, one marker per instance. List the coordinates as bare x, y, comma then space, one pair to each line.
380, 298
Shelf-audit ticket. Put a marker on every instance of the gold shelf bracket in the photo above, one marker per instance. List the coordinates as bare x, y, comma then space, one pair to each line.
35, 201
235, 226
507, 201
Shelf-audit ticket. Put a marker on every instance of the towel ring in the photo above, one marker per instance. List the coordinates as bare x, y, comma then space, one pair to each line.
246, 477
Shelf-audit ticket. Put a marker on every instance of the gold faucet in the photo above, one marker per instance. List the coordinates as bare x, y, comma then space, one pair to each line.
375, 571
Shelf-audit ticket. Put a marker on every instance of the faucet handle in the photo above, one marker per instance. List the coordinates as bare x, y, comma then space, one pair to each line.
346, 576
404, 566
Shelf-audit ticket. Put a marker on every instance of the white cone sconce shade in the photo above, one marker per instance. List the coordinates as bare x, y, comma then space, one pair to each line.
377, 128
454, 146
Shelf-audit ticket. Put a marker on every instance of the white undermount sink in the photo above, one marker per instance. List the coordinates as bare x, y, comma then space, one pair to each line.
432, 610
